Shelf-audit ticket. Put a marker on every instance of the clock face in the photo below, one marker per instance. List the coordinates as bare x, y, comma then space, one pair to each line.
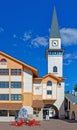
54, 43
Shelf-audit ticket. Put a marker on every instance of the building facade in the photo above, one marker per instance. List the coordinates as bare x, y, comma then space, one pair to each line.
71, 105
20, 85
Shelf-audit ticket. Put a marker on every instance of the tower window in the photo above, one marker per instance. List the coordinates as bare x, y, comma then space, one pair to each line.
49, 83
54, 69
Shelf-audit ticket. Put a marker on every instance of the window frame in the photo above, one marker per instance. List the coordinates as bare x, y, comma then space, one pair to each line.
3, 61
3, 113
55, 69
49, 92
15, 85
4, 84
49, 83
3, 97
4, 71
16, 97
16, 71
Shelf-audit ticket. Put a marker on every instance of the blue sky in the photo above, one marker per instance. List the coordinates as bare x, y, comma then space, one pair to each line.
24, 33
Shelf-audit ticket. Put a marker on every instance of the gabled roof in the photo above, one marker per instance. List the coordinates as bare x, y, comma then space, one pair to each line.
59, 79
54, 32
35, 72
72, 98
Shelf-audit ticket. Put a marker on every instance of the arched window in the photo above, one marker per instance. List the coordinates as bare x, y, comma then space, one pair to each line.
3, 61
54, 69
49, 83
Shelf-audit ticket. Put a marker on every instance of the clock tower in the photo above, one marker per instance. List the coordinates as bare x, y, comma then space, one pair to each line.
54, 52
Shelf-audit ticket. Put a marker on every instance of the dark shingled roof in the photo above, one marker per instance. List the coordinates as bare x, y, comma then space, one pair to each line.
72, 98
54, 32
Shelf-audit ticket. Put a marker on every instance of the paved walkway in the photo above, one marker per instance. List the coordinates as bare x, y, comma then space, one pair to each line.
53, 124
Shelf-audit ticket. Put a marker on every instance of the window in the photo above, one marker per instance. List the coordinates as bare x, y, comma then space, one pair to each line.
3, 61
54, 69
55, 53
16, 84
49, 92
59, 84
36, 110
49, 83
4, 71
15, 71
16, 97
3, 113
4, 84
4, 96
12, 112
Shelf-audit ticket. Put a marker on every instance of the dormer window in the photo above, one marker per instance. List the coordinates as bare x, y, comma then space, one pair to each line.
3, 61
49, 83
54, 69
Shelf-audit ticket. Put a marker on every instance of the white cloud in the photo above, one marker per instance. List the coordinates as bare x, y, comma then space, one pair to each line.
27, 36
67, 84
67, 56
70, 56
39, 41
75, 55
14, 36
69, 36
1, 29
68, 62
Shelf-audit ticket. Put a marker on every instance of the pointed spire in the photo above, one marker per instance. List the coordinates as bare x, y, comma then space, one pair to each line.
54, 32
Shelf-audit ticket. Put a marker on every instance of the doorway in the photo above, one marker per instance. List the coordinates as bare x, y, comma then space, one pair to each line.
50, 110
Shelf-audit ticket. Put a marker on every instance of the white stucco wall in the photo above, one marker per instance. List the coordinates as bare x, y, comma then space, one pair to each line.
7, 119
55, 61
44, 91
37, 89
3, 66
54, 91
27, 81
16, 91
53, 88
4, 78
59, 103
4, 90
16, 78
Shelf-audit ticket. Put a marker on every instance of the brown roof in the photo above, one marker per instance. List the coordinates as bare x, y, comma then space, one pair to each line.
38, 104
35, 71
10, 106
59, 79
